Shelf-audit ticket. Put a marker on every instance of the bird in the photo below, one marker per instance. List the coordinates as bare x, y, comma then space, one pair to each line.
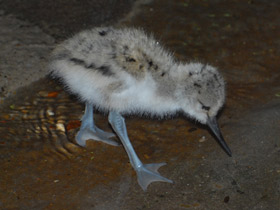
126, 71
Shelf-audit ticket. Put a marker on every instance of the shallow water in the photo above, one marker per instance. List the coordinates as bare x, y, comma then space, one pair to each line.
42, 166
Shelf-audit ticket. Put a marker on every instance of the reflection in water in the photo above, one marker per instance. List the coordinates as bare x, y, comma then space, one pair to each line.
44, 118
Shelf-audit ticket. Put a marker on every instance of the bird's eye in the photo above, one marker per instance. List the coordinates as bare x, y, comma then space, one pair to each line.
205, 107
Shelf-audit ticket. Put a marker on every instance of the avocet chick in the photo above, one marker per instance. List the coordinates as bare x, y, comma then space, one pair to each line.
125, 71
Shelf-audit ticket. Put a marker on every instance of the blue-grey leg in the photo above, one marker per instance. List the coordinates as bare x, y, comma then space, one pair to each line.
88, 130
146, 173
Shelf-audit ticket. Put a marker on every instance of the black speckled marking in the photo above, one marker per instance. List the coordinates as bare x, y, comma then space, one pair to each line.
130, 59
152, 65
78, 61
141, 67
162, 74
125, 47
105, 70
197, 85
91, 66
190, 74
102, 33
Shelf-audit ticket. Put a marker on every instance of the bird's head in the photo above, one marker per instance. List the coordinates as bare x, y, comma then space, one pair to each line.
203, 95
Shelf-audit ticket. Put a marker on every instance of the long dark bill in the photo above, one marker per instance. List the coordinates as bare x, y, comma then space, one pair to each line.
213, 125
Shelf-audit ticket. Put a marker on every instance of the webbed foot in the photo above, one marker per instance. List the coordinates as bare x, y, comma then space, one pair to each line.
148, 173
95, 133
89, 130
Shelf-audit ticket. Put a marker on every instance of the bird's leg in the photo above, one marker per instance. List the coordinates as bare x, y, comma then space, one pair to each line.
146, 173
89, 130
